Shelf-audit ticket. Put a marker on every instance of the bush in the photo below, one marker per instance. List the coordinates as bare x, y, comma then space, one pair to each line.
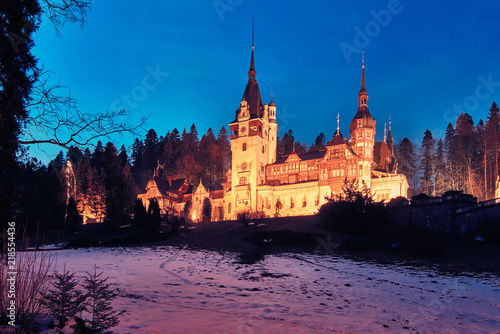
175, 223
353, 218
34, 271
246, 217
353, 211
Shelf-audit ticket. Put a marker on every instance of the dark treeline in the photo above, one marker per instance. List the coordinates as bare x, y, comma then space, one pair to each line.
182, 155
104, 182
465, 159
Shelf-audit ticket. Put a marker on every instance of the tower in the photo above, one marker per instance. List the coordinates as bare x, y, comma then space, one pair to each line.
273, 132
362, 132
253, 142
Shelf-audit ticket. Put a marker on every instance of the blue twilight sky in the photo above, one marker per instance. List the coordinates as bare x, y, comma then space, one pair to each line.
184, 62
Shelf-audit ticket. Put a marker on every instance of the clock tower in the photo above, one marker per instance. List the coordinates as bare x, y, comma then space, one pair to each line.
253, 143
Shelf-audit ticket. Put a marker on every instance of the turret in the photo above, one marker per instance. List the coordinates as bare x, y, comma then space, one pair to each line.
273, 132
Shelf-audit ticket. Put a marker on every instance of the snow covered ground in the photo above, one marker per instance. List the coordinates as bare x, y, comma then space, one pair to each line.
170, 290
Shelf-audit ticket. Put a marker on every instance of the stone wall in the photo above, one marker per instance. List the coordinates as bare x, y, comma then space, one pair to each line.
438, 213
478, 219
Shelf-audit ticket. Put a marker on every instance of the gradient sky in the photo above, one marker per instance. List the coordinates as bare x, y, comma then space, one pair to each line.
423, 60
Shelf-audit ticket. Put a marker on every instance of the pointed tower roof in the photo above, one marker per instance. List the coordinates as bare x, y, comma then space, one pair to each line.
390, 141
252, 92
363, 91
363, 112
337, 136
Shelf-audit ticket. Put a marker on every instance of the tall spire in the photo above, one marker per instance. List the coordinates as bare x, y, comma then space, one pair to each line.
252, 93
252, 72
385, 132
338, 122
363, 89
363, 117
390, 141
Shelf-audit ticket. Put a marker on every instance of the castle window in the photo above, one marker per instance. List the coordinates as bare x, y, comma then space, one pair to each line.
262, 149
243, 180
244, 147
229, 208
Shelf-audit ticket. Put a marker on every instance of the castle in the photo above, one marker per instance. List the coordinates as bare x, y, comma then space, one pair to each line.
296, 184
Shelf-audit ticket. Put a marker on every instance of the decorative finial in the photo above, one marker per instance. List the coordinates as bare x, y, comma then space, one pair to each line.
338, 122
271, 96
385, 132
253, 21
389, 122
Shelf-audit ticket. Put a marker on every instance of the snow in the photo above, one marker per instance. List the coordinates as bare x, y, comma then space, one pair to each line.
172, 290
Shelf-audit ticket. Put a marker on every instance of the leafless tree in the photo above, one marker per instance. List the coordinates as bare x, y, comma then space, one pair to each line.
61, 12
33, 272
55, 118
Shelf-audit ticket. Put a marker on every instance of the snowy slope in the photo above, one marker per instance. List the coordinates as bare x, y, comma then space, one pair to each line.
170, 290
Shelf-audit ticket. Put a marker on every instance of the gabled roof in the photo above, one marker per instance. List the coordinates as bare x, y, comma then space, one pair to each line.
177, 184
303, 156
162, 184
336, 140
293, 156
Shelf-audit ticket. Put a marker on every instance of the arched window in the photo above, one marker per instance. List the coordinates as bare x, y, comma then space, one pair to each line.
243, 180
229, 208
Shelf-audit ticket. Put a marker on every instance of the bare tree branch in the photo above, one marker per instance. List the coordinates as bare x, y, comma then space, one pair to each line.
54, 118
61, 12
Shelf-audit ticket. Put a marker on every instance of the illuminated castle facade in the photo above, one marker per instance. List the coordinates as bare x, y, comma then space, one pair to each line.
259, 180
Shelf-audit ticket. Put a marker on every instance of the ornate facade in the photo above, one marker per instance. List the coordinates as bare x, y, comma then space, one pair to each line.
297, 184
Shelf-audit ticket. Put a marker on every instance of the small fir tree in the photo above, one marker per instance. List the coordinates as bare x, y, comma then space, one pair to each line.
65, 301
207, 210
140, 213
98, 304
153, 224
73, 218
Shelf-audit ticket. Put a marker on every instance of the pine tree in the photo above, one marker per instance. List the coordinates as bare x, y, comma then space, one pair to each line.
98, 304
440, 170
427, 164
153, 221
492, 133
151, 154
207, 155
319, 143
193, 139
407, 163
97, 155
64, 300
73, 218
123, 156
140, 213
18, 75
467, 144
224, 159
286, 143
450, 144
120, 188
207, 210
